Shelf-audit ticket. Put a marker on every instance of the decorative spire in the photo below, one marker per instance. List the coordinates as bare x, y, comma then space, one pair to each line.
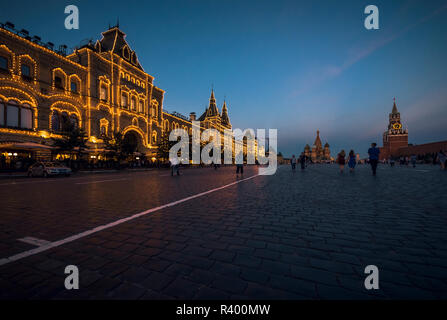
318, 140
394, 107
212, 109
225, 118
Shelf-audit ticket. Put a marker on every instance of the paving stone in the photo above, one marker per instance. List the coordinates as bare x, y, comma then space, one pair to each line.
274, 237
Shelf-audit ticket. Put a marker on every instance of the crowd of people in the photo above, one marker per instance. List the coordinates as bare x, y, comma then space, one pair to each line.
373, 159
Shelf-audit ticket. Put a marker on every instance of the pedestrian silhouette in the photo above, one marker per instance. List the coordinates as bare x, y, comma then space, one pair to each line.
341, 160
351, 161
293, 162
374, 157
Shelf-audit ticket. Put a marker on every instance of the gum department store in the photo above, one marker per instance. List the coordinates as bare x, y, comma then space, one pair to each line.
100, 87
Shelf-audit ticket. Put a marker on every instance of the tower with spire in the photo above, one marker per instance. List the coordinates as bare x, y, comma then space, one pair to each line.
212, 118
396, 136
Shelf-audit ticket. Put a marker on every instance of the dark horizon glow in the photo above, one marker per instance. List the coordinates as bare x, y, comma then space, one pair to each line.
298, 66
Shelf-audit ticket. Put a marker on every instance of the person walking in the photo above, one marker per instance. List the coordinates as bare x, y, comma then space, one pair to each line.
240, 164
392, 162
341, 160
351, 161
303, 161
374, 157
293, 162
174, 166
413, 160
442, 159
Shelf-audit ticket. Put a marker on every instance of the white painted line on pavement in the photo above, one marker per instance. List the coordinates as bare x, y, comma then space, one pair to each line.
34, 241
101, 181
72, 238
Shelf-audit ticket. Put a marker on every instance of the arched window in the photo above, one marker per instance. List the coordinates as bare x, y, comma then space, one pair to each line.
74, 86
25, 71
154, 137
55, 123
154, 108
4, 63
16, 116
58, 83
124, 100
60, 79
103, 127
103, 92
133, 104
141, 106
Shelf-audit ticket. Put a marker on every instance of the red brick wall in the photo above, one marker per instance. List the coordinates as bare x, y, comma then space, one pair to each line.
423, 148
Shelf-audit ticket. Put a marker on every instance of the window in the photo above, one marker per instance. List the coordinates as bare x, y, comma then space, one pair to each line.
102, 130
141, 107
154, 137
3, 63
124, 100
103, 93
74, 87
12, 116
58, 82
16, 116
55, 126
26, 71
2, 114
26, 118
133, 104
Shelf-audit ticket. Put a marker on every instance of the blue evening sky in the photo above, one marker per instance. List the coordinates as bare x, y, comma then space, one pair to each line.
297, 66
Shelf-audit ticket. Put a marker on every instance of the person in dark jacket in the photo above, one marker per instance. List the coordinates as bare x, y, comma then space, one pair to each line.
374, 157
341, 160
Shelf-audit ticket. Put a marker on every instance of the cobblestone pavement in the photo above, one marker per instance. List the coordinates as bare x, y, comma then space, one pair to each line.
302, 235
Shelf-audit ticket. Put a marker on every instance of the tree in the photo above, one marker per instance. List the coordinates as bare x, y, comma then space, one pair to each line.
164, 146
117, 146
73, 141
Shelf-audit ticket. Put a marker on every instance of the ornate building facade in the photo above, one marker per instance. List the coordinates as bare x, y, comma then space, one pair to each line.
101, 87
396, 137
318, 153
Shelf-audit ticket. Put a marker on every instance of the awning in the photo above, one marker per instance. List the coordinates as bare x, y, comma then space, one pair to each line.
28, 146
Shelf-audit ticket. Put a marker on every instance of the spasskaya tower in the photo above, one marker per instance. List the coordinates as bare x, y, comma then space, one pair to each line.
395, 137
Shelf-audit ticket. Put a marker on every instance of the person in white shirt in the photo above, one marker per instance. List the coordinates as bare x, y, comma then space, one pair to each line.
174, 166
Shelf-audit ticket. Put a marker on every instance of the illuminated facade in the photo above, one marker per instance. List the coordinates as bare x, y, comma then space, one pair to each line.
100, 87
